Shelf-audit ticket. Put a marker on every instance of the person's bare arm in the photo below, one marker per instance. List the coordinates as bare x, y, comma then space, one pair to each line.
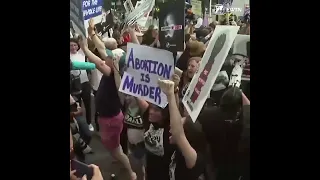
142, 104
96, 40
117, 78
133, 36
245, 100
100, 65
177, 132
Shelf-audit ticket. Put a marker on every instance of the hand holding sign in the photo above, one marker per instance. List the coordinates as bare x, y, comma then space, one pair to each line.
143, 71
166, 86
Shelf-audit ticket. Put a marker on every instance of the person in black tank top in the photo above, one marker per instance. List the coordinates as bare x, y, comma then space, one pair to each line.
107, 100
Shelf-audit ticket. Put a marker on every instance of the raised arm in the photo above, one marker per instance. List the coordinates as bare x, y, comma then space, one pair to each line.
100, 65
117, 78
96, 40
178, 135
143, 105
133, 36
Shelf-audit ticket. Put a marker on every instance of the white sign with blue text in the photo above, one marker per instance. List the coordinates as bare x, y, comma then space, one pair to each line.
145, 65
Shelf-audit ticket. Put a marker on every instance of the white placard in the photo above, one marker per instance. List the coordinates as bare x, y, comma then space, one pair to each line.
240, 46
140, 11
145, 65
211, 63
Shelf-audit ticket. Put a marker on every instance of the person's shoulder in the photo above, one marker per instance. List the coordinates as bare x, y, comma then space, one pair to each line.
207, 114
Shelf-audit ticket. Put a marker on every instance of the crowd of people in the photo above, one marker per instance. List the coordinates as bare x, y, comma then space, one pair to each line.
161, 143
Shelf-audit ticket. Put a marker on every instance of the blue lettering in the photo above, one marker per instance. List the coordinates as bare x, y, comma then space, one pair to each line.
138, 65
130, 59
154, 66
166, 71
149, 66
145, 90
135, 88
151, 95
157, 96
160, 69
128, 83
142, 90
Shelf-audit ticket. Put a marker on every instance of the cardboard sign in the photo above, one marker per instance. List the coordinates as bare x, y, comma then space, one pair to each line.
211, 63
91, 8
143, 71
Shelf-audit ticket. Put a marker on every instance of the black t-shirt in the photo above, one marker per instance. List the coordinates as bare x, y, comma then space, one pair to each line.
107, 99
179, 171
222, 134
159, 150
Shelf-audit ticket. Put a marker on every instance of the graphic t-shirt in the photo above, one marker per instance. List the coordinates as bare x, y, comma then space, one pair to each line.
135, 128
158, 150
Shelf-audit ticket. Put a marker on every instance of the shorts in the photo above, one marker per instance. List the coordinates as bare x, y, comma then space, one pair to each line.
110, 130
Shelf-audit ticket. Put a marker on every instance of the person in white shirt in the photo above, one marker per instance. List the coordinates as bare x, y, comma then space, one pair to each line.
76, 54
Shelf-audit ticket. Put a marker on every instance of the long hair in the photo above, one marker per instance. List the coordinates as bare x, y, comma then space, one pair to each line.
231, 102
147, 38
194, 134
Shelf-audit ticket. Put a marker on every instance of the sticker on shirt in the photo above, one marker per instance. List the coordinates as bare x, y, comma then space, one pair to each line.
153, 140
172, 166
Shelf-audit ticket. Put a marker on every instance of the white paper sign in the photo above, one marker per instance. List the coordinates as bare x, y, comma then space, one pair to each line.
140, 11
241, 45
145, 65
211, 63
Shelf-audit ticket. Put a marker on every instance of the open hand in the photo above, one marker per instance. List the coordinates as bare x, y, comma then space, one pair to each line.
166, 86
91, 27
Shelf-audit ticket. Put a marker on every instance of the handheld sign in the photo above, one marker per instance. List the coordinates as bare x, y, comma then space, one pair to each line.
241, 46
76, 18
140, 11
92, 9
145, 65
211, 63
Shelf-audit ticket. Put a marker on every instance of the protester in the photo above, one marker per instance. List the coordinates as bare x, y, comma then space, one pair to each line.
135, 129
223, 126
193, 66
188, 161
164, 143
77, 55
107, 101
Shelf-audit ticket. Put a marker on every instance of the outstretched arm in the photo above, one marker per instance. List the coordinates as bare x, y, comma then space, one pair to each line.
178, 135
